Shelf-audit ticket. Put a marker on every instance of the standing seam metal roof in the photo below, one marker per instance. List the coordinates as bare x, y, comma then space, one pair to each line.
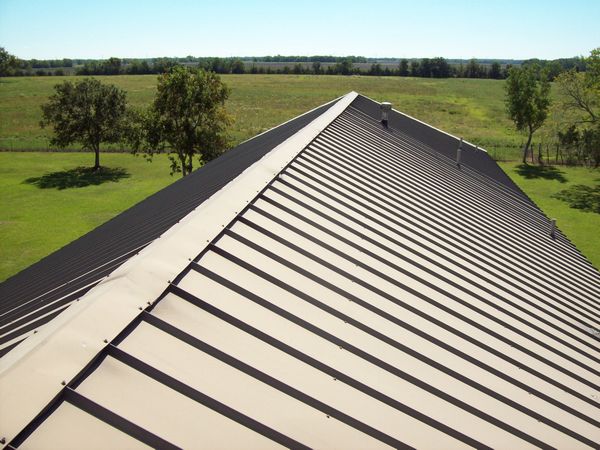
372, 294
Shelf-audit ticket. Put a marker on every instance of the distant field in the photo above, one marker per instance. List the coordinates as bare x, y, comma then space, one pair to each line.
470, 108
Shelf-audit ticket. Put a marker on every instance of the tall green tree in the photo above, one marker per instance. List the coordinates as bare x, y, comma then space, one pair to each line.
527, 100
403, 68
8, 63
495, 71
581, 90
579, 104
87, 112
187, 119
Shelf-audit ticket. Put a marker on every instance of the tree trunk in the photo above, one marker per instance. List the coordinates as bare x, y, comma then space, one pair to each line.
97, 161
527, 147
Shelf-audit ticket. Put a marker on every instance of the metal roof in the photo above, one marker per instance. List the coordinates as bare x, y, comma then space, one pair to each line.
353, 288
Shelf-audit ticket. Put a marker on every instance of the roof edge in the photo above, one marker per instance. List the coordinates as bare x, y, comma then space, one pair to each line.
47, 361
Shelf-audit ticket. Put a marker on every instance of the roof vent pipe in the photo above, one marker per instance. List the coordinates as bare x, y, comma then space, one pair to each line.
459, 152
386, 107
553, 229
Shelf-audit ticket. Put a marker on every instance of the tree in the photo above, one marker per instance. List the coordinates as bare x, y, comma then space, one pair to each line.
580, 105
495, 71
316, 66
473, 69
344, 67
8, 63
403, 68
112, 66
87, 112
186, 119
527, 100
414, 68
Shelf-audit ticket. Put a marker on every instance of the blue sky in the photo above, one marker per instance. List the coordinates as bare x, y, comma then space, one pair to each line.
418, 28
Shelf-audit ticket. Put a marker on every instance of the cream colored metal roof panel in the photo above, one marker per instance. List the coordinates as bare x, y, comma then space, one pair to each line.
385, 305
459, 204
242, 392
167, 413
434, 312
407, 172
477, 286
452, 232
436, 283
398, 207
350, 124
70, 428
255, 284
323, 294
309, 380
385, 381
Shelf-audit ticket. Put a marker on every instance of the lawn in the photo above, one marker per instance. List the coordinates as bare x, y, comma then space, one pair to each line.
35, 221
470, 108
580, 226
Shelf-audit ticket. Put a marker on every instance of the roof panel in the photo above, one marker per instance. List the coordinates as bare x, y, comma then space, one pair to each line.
69, 428
233, 382
150, 404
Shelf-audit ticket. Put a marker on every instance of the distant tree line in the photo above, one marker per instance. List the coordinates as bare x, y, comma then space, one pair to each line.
315, 65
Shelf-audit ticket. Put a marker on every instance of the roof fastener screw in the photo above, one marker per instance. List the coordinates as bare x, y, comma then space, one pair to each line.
106, 341
3, 441
63, 382
140, 308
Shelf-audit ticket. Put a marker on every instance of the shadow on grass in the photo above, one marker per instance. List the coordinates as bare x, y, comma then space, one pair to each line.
580, 196
545, 172
78, 177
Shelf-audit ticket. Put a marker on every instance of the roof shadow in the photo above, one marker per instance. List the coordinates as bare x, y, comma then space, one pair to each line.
545, 172
78, 177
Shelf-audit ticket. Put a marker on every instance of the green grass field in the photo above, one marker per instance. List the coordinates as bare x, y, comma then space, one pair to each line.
35, 222
470, 108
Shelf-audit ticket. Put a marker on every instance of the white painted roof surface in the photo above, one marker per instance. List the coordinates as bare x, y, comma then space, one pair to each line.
351, 289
